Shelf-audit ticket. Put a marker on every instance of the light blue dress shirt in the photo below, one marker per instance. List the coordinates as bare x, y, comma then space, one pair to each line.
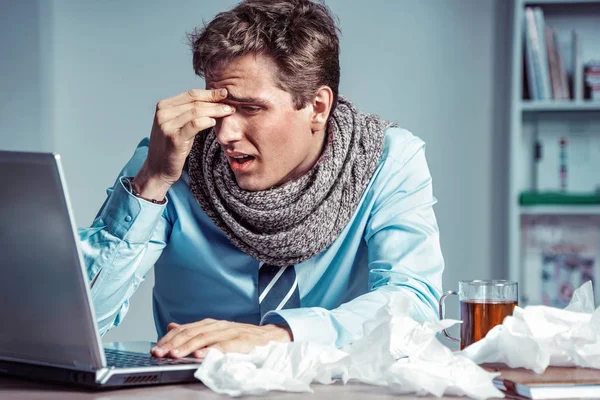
391, 244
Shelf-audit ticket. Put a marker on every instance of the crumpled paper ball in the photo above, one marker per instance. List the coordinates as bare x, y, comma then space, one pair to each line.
396, 351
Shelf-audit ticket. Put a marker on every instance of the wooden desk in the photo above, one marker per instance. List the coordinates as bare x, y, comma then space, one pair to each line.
13, 389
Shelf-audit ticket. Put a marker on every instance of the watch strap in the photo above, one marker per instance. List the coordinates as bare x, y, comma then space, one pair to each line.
130, 186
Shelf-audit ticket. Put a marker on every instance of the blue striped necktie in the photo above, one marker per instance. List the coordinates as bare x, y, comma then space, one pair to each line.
277, 288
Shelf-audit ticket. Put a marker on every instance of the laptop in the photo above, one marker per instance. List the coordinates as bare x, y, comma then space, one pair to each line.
48, 325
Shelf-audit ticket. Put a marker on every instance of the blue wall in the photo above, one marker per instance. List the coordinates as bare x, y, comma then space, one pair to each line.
83, 77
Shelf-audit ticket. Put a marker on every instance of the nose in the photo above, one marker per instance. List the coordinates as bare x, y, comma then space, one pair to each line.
229, 130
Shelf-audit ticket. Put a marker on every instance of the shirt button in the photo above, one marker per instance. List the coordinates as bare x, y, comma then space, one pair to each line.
128, 218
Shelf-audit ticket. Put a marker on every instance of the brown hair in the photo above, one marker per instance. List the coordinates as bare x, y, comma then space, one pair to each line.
299, 35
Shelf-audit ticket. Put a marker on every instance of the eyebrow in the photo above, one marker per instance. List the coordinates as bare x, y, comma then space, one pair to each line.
252, 100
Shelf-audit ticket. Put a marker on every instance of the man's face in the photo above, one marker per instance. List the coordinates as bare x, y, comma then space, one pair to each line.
267, 141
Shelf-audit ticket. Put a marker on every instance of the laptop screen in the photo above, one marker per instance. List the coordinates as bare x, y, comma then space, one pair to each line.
44, 302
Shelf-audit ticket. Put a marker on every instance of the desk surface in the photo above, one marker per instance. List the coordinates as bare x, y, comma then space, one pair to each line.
13, 389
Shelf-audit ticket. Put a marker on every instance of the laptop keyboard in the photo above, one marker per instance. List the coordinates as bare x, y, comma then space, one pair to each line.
126, 359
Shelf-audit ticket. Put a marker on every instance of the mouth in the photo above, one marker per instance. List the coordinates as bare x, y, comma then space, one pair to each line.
241, 162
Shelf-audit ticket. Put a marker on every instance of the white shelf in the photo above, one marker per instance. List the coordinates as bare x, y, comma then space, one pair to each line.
559, 106
533, 122
592, 209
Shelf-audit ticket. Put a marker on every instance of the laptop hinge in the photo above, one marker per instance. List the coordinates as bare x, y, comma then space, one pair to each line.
102, 375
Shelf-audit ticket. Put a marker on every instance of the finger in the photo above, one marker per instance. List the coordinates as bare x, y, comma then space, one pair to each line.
211, 96
203, 340
173, 329
199, 111
173, 337
196, 126
167, 114
170, 327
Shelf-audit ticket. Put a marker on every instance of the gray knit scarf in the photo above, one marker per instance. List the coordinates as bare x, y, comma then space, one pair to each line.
293, 222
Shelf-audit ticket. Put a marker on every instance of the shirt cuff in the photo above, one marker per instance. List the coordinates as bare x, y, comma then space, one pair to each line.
130, 218
307, 324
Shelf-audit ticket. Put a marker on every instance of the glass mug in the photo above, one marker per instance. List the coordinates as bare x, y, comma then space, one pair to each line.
483, 305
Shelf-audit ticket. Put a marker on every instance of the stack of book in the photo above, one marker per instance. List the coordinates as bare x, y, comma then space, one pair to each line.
546, 75
592, 80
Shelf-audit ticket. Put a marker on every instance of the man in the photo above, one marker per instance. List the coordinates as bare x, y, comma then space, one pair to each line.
269, 206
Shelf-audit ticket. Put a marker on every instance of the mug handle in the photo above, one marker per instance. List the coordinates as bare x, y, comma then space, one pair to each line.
442, 304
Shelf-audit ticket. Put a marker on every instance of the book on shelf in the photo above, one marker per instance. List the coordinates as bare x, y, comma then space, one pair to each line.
577, 66
546, 76
592, 80
537, 87
558, 74
554, 383
544, 66
556, 82
562, 72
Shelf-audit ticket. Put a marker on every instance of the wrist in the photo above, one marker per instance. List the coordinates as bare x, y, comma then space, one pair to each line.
282, 332
149, 188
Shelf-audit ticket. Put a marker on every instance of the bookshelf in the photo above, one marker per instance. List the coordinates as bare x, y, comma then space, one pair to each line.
538, 124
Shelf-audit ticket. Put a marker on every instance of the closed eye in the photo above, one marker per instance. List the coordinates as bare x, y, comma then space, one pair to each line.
250, 109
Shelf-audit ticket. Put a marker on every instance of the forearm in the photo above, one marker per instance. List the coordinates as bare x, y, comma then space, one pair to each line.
344, 325
116, 269
119, 248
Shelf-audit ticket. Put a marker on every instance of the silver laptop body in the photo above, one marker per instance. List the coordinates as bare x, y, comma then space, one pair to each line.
47, 321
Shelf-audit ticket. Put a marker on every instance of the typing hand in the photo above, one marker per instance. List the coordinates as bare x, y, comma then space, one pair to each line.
229, 337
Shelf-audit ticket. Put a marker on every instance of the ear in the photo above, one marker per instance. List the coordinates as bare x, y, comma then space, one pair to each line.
320, 108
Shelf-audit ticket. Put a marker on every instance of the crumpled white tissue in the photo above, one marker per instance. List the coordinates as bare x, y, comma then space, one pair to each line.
396, 351
535, 337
